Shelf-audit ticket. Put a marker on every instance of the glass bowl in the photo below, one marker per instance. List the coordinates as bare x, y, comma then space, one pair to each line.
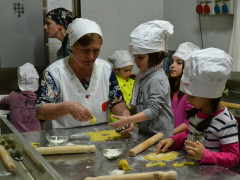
111, 149
57, 136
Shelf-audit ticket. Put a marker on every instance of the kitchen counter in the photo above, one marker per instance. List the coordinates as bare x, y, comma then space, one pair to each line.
79, 166
232, 97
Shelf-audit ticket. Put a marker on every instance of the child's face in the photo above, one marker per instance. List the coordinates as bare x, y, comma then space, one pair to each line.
124, 72
176, 67
141, 61
203, 104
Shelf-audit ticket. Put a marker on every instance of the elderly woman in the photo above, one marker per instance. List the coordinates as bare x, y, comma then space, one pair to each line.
56, 24
77, 87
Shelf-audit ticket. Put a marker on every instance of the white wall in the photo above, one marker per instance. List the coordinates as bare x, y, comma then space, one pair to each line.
117, 19
216, 30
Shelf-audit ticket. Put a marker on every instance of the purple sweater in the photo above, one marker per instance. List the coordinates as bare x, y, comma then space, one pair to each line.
22, 110
179, 108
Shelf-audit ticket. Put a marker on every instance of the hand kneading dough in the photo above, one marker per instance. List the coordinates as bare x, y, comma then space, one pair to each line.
162, 156
106, 135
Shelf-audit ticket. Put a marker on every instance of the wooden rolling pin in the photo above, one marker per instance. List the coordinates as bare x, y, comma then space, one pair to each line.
7, 160
144, 145
231, 105
66, 149
138, 176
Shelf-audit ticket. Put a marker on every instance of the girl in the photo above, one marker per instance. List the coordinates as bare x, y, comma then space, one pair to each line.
179, 104
212, 135
21, 102
151, 94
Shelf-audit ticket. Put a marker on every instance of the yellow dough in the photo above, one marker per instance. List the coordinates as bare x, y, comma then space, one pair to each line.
123, 164
93, 120
106, 135
182, 164
162, 156
161, 164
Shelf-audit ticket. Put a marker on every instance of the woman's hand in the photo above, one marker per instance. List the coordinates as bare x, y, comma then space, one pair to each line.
195, 150
78, 111
164, 144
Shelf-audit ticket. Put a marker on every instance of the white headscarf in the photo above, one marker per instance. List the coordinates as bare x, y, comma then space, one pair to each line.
80, 27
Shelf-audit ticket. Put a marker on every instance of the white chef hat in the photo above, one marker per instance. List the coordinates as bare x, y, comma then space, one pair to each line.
150, 37
184, 50
120, 59
80, 27
27, 78
206, 72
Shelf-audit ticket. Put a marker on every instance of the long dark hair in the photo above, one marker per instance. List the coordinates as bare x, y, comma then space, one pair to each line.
174, 85
206, 122
156, 58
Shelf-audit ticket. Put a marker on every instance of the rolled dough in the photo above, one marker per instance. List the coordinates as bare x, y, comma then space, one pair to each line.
183, 164
106, 135
161, 164
162, 156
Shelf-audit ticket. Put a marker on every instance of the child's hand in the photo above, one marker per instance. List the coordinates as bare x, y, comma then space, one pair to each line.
129, 129
164, 144
194, 150
122, 122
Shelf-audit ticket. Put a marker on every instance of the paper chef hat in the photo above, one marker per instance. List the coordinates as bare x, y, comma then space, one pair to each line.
27, 78
150, 37
80, 27
184, 50
120, 59
206, 72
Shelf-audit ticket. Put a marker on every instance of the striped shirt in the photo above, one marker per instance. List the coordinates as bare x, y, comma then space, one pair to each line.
222, 130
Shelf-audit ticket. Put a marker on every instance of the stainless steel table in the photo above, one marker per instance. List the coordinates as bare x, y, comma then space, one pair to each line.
79, 166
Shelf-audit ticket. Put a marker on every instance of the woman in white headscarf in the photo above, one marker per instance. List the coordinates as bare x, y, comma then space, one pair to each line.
77, 87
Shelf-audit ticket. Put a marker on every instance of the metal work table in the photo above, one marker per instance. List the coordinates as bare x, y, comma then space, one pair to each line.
79, 166
232, 97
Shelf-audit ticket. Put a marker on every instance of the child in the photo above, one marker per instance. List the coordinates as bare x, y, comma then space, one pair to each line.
212, 135
151, 92
21, 102
179, 104
122, 66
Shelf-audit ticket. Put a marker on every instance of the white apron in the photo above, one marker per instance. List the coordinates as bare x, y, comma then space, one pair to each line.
94, 99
